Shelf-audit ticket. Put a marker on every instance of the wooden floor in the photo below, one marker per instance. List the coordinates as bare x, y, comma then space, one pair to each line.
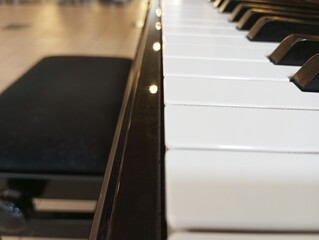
30, 31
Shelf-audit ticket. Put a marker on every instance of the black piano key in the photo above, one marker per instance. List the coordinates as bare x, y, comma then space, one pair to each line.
242, 8
254, 14
275, 29
307, 78
218, 3
229, 5
295, 50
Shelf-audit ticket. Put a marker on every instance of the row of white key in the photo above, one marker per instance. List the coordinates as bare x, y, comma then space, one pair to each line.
196, 40
242, 140
226, 69
257, 54
234, 236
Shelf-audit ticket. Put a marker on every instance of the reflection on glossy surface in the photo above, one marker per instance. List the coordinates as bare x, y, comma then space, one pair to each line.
158, 12
156, 46
55, 27
158, 26
153, 89
141, 175
139, 24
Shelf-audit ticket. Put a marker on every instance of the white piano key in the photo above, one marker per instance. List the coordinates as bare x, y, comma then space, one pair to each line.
237, 93
250, 129
210, 15
189, 6
216, 23
183, 3
205, 31
207, 190
189, 39
226, 69
186, 5
216, 52
195, 13
241, 236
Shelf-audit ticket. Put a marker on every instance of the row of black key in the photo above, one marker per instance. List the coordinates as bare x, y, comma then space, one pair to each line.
294, 22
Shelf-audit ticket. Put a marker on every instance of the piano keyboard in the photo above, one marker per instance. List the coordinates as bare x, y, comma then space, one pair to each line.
242, 140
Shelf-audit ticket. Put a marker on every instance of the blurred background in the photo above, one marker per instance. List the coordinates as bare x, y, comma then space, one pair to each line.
31, 30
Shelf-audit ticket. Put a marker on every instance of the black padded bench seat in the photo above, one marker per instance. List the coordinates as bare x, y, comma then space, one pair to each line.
60, 116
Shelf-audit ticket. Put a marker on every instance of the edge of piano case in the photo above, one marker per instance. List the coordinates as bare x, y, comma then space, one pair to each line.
131, 202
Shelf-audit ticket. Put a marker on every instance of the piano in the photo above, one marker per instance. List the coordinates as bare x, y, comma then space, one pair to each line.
216, 140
